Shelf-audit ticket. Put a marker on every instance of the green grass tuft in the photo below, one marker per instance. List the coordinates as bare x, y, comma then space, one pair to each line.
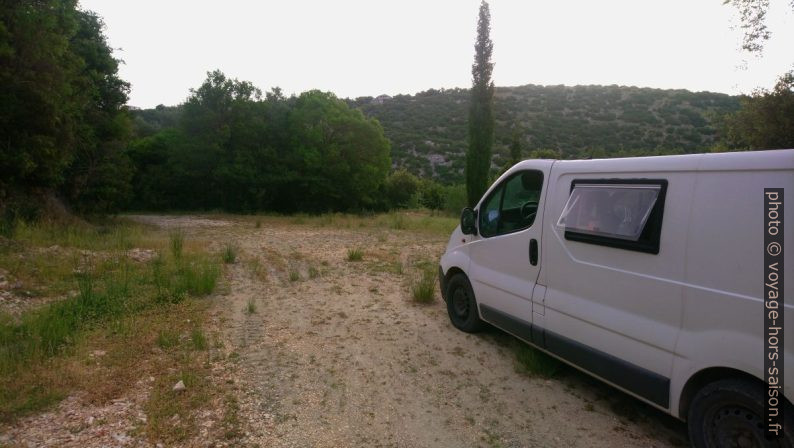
355, 255
229, 254
423, 289
177, 243
534, 362
198, 339
167, 339
294, 276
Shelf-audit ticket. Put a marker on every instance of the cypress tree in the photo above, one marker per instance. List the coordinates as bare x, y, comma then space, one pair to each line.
481, 122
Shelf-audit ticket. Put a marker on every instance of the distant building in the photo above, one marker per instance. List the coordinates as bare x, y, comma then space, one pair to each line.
381, 99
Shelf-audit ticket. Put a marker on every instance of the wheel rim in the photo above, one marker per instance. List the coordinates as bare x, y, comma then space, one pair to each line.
737, 427
460, 303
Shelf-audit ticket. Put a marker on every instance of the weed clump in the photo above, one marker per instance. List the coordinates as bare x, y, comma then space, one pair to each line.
424, 287
229, 254
355, 255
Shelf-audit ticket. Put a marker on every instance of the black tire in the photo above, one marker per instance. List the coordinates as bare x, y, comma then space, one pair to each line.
462, 306
730, 413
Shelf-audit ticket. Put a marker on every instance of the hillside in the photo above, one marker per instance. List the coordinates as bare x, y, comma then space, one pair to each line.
428, 130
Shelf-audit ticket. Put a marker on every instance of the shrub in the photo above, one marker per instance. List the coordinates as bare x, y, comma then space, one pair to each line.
401, 188
431, 195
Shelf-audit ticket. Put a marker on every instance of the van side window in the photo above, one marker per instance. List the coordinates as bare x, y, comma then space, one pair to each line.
621, 213
512, 205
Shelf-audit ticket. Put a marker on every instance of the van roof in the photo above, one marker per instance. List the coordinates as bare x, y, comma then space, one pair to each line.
771, 159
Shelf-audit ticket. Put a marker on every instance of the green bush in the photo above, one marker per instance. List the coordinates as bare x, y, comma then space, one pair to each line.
431, 195
401, 188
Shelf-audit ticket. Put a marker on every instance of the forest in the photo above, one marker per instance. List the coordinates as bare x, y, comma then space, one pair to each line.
69, 134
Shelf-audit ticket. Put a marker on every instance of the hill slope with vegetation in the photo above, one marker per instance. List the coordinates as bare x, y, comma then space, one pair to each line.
429, 135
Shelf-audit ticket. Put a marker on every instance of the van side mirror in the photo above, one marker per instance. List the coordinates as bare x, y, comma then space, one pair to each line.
468, 221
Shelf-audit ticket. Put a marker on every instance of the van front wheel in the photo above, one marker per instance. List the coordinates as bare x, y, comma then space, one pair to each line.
730, 413
462, 306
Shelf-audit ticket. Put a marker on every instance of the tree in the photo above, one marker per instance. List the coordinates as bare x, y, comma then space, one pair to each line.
98, 179
63, 124
401, 188
766, 119
481, 121
38, 117
339, 157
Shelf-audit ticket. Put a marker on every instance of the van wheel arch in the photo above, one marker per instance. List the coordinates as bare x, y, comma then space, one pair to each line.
705, 377
451, 272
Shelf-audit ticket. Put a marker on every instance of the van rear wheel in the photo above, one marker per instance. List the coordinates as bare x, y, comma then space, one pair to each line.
462, 306
730, 413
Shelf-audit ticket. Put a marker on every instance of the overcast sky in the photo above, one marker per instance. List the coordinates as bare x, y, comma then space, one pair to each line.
369, 47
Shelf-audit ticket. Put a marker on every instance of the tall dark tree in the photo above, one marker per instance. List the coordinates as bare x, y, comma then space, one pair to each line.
481, 120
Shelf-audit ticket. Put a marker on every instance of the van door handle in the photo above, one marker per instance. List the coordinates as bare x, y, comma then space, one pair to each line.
533, 252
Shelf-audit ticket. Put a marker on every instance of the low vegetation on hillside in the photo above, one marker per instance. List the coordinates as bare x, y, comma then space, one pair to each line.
428, 130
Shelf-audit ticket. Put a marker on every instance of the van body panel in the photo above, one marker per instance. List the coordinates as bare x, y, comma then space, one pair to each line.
624, 303
723, 294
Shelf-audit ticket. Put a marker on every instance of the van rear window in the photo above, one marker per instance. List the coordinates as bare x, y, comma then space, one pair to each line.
614, 212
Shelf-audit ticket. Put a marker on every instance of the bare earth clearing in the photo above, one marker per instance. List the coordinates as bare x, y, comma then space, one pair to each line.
325, 352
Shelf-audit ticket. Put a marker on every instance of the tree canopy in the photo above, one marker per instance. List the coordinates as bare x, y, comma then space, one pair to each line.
63, 120
232, 149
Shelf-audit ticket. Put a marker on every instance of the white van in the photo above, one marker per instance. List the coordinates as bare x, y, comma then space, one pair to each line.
647, 273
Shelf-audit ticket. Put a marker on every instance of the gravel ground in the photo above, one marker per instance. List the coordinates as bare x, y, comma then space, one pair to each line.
325, 352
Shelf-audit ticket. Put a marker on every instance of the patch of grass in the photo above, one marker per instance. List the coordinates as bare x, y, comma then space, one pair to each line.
177, 238
250, 308
231, 418
355, 255
198, 339
258, 224
110, 235
423, 289
534, 362
313, 272
256, 268
110, 295
420, 220
170, 414
229, 254
167, 338
294, 276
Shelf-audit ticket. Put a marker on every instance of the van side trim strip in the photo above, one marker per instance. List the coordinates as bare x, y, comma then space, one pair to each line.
643, 382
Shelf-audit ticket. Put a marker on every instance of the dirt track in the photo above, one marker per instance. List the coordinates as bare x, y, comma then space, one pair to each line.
342, 356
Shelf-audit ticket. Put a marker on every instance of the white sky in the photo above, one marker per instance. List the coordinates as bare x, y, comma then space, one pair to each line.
369, 47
